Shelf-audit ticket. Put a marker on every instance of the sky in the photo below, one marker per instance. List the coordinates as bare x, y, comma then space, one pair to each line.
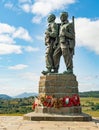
22, 47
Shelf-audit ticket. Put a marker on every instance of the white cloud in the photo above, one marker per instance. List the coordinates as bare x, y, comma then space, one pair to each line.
13, 90
37, 19
18, 85
22, 33
25, 5
14, 32
8, 36
26, 8
41, 38
24, 1
18, 67
30, 49
5, 38
9, 5
5, 28
9, 49
88, 83
57, 20
19, 82
42, 8
87, 33
30, 76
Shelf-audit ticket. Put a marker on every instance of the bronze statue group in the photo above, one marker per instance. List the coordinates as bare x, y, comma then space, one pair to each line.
59, 41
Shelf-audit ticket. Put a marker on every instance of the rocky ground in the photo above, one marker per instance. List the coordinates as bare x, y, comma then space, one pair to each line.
17, 123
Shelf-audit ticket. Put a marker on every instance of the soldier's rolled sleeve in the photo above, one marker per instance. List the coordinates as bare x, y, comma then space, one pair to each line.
54, 31
69, 35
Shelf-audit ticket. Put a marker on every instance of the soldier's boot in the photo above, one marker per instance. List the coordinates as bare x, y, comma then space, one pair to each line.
47, 71
55, 70
69, 71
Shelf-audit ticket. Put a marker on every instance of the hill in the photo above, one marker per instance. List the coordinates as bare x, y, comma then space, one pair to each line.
89, 94
4, 96
17, 105
25, 95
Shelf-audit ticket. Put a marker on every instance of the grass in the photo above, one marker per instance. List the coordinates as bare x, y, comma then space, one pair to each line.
89, 99
90, 112
14, 114
86, 107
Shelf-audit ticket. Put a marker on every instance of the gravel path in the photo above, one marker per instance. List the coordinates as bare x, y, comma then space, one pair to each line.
17, 123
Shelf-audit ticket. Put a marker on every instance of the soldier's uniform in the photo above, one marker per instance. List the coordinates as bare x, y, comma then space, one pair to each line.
66, 46
51, 35
50, 42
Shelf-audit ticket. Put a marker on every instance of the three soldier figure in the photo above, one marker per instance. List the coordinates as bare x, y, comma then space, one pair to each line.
60, 40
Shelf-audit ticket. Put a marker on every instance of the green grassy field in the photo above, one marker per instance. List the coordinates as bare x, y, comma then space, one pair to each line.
25, 107
89, 99
87, 104
14, 114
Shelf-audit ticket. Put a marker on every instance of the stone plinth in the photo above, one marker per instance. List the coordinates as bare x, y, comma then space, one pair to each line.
56, 117
62, 110
58, 85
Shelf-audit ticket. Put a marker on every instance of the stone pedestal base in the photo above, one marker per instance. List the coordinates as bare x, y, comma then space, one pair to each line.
62, 110
55, 117
59, 86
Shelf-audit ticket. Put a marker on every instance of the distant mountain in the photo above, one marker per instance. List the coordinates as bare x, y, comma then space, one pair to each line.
25, 95
89, 94
4, 96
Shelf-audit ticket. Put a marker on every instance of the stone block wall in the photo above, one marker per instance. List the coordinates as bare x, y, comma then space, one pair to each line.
58, 85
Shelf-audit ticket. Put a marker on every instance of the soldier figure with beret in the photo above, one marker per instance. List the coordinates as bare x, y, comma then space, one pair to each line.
50, 40
66, 44
60, 40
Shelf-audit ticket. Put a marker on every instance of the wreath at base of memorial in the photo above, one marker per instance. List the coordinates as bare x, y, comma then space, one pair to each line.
51, 101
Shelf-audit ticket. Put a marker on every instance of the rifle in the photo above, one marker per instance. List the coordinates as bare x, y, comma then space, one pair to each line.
73, 23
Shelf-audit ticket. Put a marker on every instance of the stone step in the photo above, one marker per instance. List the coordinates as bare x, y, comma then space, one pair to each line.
61, 110
54, 117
